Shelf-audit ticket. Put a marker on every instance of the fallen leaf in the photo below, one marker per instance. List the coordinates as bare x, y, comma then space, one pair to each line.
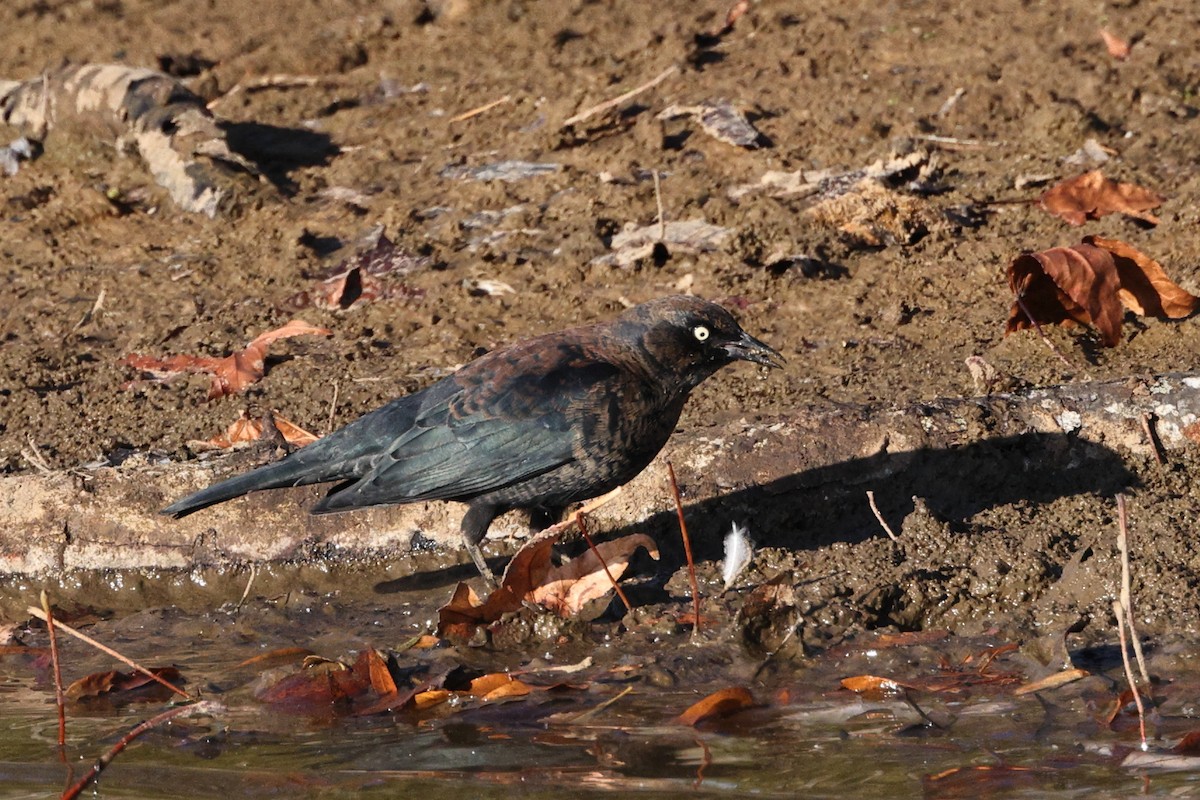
985, 780
358, 278
231, 374
381, 678
689, 237
1053, 681
908, 638
873, 684
319, 684
717, 704
248, 429
1091, 196
567, 589
1089, 283
114, 682
274, 656
1117, 47
497, 685
720, 119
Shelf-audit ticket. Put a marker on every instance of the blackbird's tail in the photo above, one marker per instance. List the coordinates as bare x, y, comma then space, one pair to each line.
288, 472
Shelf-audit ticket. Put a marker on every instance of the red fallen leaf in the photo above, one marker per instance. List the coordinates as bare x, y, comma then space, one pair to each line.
1088, 283
231, 374
1091, 196
1189, 745
320, 684
717, 704
114, 682
1117, 47
248, 429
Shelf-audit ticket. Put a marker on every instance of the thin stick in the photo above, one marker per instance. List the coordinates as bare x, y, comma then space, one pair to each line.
952, 143
603, 563
662, 221
103, 648
882, 522
203, 707
687, 550
337, 386
616, 101
1029, 316
475, 112
591, 712
1127, 587
59, 697
249, 583
1152, 438
1137, 697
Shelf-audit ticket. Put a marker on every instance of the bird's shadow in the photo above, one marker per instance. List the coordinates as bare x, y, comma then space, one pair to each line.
827, 504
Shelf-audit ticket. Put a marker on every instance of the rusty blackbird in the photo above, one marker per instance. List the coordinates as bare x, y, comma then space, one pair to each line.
542, 423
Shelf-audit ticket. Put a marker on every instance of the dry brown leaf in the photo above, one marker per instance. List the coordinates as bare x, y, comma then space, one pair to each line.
1088, 283
114, 682
529, 577
1117, 47
231, 374
718, 704
1091, 196
1145, 287
248, 429
909, 638
567, 589
381, 677
497, 685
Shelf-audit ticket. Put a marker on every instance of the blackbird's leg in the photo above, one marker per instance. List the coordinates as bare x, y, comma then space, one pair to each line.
475, 524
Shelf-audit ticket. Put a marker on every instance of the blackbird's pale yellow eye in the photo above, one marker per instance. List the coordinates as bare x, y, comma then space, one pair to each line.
701, 333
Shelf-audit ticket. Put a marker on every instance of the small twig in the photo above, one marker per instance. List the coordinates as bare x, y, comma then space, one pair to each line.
705, 762
1029, 316
249, 583
268, 82
83, 637
687, 550
34, 456
203, 707
616, 101
882, 522
950, 142
1152, 438
1127, 586
591, 712
587, 538
91, 312
475, 112
1137, 697
951, 102
59, 697
337, 386
662, 220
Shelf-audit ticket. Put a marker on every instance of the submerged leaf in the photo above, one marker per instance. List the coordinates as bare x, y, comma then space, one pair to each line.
718, 704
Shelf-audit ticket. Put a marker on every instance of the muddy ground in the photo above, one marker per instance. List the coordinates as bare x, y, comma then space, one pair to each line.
1020, 529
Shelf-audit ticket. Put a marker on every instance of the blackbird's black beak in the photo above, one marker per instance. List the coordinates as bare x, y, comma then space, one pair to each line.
747, 348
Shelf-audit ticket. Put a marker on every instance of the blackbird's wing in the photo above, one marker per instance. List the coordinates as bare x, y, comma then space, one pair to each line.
508, 422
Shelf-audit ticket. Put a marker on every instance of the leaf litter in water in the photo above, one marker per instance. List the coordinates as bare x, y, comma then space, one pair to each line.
718, 704
1092, 196
113, 682
530, 577
233, 373
1091, 284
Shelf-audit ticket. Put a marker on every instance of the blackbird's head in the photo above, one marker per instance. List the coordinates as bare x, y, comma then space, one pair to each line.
693, 338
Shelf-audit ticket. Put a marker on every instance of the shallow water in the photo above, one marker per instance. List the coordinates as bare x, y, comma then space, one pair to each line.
807, 734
